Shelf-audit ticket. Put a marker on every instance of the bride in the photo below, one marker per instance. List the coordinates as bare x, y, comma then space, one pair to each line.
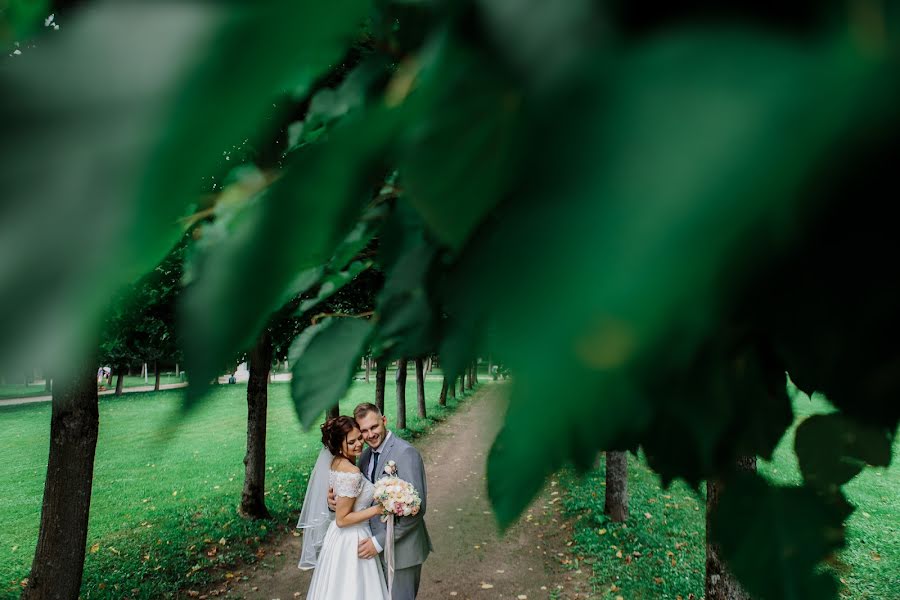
331, 546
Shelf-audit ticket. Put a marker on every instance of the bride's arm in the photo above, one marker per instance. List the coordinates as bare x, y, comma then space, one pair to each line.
344, 517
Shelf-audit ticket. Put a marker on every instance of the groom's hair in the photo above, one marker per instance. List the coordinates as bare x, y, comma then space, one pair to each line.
365, 408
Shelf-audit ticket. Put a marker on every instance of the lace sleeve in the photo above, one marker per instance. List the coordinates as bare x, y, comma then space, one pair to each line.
347, 484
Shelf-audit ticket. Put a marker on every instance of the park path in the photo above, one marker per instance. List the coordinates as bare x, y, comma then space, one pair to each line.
470, 560
128, 390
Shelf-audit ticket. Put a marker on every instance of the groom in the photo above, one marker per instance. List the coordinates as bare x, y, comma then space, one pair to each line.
411, 541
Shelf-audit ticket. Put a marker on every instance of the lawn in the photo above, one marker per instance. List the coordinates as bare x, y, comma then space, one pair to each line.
660, 552
20, 390
165, 493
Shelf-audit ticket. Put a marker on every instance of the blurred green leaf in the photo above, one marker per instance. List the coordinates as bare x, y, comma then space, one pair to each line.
80, 112
556, 416
726, 403
655, 177
406, 315
324, 358
293, 226
773, 538
108, 135
332, 283
21, 18
463, 155
832, 449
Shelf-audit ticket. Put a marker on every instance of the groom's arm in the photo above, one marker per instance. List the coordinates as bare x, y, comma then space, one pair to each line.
411, 469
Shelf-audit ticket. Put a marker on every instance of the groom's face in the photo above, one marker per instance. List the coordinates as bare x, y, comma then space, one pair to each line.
373, 428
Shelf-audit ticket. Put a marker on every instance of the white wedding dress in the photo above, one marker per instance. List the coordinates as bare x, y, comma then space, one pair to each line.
340, 574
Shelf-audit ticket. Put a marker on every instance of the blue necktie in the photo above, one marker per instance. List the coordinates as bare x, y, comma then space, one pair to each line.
374, 466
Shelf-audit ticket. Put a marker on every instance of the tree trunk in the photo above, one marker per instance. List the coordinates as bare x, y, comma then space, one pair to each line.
429, 364
120, 380
380, 381
334, 411
720, 583
48, 383
470, 383
451, 386
368, 368
462, 385
616, 486
420, 387
59, 557
401, 393
156, 376
442, 399
475, 372
253, 500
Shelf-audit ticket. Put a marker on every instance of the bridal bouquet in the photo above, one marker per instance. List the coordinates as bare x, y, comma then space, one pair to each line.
397, 497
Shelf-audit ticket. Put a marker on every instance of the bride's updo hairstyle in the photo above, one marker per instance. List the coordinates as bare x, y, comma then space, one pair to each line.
334, 432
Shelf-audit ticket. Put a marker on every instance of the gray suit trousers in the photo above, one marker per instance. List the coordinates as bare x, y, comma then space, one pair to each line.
406, 581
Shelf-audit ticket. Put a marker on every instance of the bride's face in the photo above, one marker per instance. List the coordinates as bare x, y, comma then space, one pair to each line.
353, 444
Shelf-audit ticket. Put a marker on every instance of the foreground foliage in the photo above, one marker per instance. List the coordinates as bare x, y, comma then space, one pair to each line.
636, 197
663, 546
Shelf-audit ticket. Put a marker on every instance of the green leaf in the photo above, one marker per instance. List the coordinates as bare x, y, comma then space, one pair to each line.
324, 358
773, 538
295, 225
463, 153
554, 418
726, 403
221, 103
640, 251
80, 112
21, 18
406, 311
109, 135
833, 449
331, 284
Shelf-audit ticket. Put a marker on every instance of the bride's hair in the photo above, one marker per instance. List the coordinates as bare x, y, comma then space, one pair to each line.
334, 432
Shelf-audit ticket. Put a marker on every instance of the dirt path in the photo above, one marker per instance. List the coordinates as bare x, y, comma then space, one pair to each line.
470, 560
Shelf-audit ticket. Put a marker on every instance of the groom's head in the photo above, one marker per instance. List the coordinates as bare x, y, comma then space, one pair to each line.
372, 424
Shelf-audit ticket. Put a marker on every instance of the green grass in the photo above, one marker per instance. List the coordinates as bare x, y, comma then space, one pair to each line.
671, 543
19, 390
163, 510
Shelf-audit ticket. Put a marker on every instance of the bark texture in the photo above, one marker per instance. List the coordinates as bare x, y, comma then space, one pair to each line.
380, 381
616, 505
59, 556
420, 387
120, 380
442, 399
401, 393
720, 583
253, 500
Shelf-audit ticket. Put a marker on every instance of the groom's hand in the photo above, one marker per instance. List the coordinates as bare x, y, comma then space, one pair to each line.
332, 501
367, 549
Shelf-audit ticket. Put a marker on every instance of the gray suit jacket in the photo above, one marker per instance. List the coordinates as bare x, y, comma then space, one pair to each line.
411, 542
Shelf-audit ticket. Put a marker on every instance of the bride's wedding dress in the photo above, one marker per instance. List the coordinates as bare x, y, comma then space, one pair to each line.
340, 573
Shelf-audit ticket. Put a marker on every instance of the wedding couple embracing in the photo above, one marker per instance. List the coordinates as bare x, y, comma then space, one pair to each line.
357, 551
